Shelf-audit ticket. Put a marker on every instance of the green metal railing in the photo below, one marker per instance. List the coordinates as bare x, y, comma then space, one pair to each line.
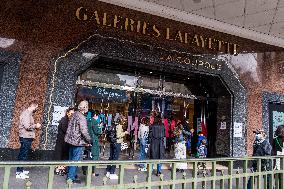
223, 173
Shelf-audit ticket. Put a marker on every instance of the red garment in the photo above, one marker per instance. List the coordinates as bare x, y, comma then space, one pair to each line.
204, 128
166, 124
173, 126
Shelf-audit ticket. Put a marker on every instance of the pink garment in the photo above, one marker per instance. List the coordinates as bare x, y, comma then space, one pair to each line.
135, 127
151, 120
130, 122
173, 126
166, 124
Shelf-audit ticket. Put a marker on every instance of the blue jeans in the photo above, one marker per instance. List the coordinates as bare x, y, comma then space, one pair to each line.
115, 149
159, 168
26, 144
142, 153
75, 154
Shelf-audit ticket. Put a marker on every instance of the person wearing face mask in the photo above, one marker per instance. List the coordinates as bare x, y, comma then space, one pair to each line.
261, 147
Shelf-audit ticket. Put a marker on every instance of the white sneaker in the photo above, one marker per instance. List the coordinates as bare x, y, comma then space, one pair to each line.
26, 172
143, 169
21, 175
108, 174
113, 176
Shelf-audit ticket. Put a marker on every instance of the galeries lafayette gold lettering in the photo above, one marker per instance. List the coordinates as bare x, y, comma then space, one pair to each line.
143, 27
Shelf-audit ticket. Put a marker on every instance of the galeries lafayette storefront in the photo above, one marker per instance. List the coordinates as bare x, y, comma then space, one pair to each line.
188, 70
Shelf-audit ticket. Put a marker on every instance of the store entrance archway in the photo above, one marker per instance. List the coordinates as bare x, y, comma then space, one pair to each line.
213, 74
120, 86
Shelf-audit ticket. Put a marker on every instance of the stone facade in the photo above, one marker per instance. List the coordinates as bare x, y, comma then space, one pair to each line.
254, 79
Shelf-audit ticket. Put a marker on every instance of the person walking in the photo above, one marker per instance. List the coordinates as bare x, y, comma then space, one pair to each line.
77, 136
61, 149
27, 128
157, 136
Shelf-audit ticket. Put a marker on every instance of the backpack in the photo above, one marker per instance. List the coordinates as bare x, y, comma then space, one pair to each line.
111, 133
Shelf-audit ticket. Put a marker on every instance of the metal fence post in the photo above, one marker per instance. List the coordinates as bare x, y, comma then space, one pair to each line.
50, 177
194, 175
89, 177
282, 173
69, 183
222, 180
245, 170
149, 175
238, 179
213, 174
183, 186
161, 181
259, 177
271, 180
6, 177
230, 173
28, 184
121, 175
173, 176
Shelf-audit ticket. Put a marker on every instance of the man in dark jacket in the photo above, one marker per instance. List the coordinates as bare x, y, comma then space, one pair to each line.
157, 136
77, 136
261, 147
61, 150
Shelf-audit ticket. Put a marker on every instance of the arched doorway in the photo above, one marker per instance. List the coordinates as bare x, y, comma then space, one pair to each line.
208, 76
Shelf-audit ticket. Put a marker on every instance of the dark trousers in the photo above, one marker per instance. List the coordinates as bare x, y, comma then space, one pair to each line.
251, 180
26, 144
115, 149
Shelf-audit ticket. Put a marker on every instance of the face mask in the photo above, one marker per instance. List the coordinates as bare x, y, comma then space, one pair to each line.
258, 136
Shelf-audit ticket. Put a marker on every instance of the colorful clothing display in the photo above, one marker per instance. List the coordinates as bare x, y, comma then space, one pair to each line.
129, 123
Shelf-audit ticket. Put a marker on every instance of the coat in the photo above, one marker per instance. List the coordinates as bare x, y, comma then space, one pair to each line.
157, 136
77, 132
61, 150
27, 125
262, 148
95, 132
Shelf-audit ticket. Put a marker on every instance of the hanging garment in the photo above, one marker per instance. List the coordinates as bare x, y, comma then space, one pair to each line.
173, 127
103, 118
129, 123
135, 127
163, 107
109, 119
166, 124
116, 117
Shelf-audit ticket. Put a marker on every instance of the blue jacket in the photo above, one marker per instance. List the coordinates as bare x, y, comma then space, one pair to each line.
199, 139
